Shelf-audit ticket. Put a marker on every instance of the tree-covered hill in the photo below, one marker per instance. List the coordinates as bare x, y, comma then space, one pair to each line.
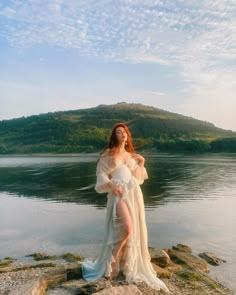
89, 129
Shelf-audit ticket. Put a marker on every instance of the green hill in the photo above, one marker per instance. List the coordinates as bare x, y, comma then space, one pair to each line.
88, 130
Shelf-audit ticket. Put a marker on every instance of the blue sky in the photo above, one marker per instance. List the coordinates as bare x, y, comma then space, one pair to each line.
71, 54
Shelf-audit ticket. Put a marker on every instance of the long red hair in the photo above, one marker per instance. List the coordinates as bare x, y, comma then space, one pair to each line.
113, 142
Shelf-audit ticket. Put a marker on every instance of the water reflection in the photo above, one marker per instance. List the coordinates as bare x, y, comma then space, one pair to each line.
198, 193
67, 182
190, 178
72, 179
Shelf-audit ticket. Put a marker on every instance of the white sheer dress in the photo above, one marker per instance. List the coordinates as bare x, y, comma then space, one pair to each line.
128, 176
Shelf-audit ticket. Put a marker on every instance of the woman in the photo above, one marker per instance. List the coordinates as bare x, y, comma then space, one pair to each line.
125, 249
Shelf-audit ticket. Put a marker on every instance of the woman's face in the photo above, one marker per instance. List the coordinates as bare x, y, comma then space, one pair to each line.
121, 134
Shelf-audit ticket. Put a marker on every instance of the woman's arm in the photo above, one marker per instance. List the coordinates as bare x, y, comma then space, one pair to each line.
139, 171
103, 183
139, 159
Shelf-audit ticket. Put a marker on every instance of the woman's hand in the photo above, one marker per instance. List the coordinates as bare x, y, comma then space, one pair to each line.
140, 160
116, 190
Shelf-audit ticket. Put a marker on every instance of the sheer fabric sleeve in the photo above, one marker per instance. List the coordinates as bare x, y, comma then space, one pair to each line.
103, 183
140, 173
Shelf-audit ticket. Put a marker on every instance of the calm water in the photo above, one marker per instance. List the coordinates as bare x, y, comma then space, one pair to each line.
48, 204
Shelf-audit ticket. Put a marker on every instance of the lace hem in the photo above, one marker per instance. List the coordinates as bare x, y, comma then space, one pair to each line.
108, 269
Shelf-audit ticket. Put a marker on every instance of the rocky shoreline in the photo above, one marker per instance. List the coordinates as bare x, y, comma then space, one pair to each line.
182, 272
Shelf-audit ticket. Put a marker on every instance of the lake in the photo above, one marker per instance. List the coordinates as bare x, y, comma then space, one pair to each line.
48, 204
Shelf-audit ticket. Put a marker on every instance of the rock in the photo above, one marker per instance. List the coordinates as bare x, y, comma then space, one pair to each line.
121, 290
159, 257
201, 283
5, 263
16, 278
28, 288
74, 272
69, 257
79, 286
188, 260
161, 272
211, 258
39, 286
41, 256
59, 291
184, 275
181, 247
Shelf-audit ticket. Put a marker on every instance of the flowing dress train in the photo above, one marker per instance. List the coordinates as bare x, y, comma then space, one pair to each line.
128, 176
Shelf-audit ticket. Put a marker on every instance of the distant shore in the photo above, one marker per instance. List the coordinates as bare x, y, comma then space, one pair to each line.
96, 154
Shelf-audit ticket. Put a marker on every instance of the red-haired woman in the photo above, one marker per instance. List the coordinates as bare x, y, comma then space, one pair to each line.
120, 172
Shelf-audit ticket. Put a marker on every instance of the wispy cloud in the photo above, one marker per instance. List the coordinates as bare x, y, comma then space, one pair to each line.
197, 37
131, 31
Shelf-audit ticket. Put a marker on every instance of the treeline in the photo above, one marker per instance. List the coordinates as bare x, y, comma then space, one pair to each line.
88, 130
226, 145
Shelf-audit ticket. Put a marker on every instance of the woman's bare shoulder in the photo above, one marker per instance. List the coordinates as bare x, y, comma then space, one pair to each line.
106, 152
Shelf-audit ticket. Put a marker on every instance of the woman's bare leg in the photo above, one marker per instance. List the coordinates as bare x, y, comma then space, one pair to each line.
123, 215
123, 256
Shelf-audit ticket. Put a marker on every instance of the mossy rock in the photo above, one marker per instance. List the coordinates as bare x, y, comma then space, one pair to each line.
188, 260
190, 276
201, 281
40, 265
181, 247
41, 256
69, 257
5, 263
10, 258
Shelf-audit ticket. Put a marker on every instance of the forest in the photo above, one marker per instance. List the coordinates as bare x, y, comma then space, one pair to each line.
88, 130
